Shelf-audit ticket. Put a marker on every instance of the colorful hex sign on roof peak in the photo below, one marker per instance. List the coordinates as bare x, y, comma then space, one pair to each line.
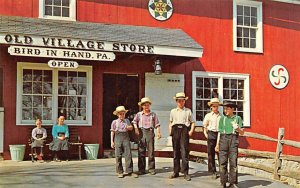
279, 76
160, 9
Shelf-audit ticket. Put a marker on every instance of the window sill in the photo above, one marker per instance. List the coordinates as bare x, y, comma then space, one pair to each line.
246, 50
58, 18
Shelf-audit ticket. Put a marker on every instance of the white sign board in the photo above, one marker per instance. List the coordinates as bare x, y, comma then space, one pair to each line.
61, 53
279, 76
63, 64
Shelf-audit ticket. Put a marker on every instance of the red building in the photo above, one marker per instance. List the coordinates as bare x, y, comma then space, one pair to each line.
83, 58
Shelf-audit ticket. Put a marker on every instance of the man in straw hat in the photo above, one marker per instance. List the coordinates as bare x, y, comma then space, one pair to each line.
144, 123
210, 125
181, 128
230, 126
120, 142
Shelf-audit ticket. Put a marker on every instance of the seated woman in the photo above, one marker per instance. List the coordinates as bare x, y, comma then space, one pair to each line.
39, 136
60, 133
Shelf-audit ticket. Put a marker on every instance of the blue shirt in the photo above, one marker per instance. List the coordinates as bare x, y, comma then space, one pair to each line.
60, 129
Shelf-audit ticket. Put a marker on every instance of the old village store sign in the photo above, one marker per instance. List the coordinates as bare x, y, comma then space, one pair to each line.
55, 42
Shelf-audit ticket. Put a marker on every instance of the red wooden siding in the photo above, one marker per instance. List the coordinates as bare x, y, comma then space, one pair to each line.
210, 24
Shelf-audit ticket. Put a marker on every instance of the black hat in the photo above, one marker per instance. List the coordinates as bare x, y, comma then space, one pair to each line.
230, 104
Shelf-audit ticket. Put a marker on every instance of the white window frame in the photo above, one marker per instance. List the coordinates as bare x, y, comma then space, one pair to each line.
72, 16
221, 76
259, 33
42, 66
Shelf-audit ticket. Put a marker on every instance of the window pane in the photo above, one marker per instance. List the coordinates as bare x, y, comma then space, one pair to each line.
48, 2
253, 33
254, 11
57, 2
81, 114
206, 82
37, 113
47, 88
226, 94
239, 32
48, 10
62, 89
65, 12
240, 106
246, 32
37, 101
71, 115
246, 11
37, 75
82, 89
199, 93
62, 101
233, 94
27, 75
239, 10
72, 102
82, 77
72, 89
199, 116
240, 95
215, 93
26, 114
253, 22
199, 104
27, 101
47, 113
240, 20
65, 3
241, 84
233, 84
56, 11
214, 83
199, 82
226, 83
27, 87
62, 76
239, 42
37, 88
247, 21
252, 43
81, 102
47, 76
246, 42
207, 93
47, 102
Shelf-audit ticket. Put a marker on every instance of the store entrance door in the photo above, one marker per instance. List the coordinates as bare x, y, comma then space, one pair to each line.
118, 89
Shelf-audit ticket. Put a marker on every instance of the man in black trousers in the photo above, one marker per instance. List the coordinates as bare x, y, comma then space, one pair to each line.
181, 128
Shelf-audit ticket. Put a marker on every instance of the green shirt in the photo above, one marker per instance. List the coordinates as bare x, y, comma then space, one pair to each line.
225, 124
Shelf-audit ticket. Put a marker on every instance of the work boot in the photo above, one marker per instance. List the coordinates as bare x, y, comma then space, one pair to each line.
187, 177
152, 172
133, 175
120, 175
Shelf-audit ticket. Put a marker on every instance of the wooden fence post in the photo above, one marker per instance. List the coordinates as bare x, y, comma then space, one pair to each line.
278, 161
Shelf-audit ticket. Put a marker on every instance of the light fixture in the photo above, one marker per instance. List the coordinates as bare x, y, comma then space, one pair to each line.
157, 67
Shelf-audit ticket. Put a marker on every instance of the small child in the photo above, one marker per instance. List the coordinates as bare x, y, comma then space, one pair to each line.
121, 143
38, 135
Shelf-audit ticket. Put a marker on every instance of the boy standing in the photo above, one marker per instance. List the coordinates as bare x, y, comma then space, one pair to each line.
181, 128
144, 124
210, 125
230, 126
121, 143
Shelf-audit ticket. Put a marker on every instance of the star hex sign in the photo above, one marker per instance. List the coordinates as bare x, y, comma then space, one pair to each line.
160, 9
279, 76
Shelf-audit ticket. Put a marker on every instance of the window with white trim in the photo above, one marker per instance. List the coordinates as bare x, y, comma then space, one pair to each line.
58, 9
226, 87
247, 26
46, 93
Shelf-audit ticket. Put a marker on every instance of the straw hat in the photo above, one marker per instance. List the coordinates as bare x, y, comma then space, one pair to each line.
144, 100
214, 101
230, 104
119, 109
180, 95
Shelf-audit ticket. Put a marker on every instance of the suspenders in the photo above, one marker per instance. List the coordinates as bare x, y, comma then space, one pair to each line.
118, 123
236, 120
141, 119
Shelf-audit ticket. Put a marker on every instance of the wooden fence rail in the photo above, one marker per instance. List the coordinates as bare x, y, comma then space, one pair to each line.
277, 155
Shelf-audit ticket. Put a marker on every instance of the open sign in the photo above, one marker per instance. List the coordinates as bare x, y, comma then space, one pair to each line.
63, 64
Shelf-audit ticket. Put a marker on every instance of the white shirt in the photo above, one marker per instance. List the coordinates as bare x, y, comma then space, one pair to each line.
181, 116
211, 121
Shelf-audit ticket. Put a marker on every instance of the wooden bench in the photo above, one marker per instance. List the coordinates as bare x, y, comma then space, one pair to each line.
74, 139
